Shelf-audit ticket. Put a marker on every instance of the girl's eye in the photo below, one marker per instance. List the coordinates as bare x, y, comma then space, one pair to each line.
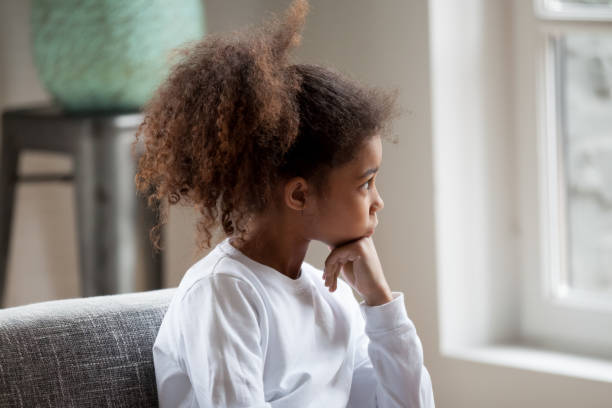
368, 184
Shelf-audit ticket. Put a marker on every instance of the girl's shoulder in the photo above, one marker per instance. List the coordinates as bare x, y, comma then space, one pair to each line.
215, 274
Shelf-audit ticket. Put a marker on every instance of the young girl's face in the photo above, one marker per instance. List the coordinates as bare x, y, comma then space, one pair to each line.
348, 209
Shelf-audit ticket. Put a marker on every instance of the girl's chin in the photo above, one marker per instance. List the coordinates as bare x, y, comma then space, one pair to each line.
334, 243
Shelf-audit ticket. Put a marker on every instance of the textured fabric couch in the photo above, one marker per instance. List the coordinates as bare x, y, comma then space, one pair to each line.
87, 352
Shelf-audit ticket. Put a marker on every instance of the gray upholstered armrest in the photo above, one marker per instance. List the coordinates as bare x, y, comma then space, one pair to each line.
83, 352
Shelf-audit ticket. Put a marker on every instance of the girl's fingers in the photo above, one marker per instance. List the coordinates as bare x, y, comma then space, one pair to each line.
333, 270
336, 276
344, 253
337, 255
329, 274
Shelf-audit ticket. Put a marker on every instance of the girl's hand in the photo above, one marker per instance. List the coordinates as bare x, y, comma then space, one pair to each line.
359, 264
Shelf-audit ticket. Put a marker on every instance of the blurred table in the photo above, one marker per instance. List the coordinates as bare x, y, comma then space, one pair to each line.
113, 222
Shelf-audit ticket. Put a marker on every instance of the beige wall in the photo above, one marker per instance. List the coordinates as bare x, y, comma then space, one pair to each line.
383, 43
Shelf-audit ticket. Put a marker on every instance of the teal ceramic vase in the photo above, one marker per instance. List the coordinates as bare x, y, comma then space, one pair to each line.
109, 54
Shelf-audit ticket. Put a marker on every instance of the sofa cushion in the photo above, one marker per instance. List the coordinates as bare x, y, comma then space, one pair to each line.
82, 352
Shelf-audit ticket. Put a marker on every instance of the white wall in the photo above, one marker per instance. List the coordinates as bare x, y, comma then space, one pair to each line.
383, 43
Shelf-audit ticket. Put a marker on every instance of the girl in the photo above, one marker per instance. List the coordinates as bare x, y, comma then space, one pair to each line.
279, 155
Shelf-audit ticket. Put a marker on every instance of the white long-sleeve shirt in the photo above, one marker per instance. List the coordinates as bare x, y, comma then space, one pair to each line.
241, 334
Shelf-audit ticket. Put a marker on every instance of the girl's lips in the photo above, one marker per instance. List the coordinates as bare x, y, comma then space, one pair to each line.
371, 230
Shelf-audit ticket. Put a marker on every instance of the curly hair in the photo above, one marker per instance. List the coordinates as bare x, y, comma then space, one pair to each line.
234, 119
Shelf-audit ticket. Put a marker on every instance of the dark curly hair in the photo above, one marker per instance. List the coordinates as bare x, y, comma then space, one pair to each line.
235, 118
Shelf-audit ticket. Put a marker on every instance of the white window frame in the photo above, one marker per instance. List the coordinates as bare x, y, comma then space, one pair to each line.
558, 10
488, 222
556, 316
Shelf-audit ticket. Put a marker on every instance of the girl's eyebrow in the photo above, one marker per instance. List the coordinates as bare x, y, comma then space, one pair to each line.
368, 172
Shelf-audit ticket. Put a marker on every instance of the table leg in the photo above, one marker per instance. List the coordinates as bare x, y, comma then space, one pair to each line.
114, 222
92, 260
8, 179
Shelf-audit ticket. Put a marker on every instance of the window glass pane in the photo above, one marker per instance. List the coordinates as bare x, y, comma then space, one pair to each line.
585, 81
586, 2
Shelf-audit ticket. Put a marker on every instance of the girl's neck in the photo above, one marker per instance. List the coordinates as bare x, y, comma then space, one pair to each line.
274, 245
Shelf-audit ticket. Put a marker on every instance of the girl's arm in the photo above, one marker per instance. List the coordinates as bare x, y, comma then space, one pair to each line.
221, 343
389, 370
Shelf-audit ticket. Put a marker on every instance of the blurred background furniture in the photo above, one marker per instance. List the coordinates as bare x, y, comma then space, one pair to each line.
100, 62
113, 222
86, 352
107, 54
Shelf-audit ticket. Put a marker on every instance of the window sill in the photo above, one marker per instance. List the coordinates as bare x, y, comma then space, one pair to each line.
533, 359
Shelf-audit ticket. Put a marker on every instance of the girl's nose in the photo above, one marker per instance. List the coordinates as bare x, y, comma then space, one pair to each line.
378, 204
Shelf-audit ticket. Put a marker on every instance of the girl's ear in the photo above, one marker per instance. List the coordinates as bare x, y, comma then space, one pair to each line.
296, 193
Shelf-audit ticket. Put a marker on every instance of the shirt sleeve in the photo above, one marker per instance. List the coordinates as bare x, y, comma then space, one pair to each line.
389, 370
221, 343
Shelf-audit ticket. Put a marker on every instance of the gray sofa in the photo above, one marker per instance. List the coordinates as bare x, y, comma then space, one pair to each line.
86, 352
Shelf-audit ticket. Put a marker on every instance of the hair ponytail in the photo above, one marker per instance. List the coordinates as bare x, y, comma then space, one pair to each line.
234, 117
218, 127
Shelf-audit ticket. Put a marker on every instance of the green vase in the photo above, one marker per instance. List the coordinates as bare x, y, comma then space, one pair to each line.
109, 54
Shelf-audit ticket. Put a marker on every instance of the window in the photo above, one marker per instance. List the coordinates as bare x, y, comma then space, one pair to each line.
585, 79
579, 81
572, 310
523, 281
